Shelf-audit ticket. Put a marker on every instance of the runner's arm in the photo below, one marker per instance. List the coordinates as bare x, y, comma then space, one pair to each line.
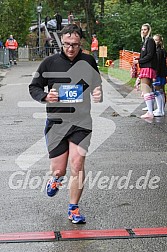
36, 88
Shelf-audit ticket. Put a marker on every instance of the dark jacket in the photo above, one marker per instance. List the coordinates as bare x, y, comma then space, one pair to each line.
1, 44
59, 18
161, 62
53, 72
148, 57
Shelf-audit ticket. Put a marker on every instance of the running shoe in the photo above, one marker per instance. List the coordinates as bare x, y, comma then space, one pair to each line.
52, 186
76, 217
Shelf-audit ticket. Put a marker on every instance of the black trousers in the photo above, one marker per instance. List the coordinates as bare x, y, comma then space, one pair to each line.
12, 55
59, 26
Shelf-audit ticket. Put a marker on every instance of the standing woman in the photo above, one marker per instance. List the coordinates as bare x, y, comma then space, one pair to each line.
159, 84
147, 64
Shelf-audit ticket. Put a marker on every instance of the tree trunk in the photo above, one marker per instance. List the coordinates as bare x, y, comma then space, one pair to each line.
90, 19
102, 7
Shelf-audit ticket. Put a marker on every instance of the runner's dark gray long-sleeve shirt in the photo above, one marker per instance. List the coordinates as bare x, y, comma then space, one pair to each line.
57, 71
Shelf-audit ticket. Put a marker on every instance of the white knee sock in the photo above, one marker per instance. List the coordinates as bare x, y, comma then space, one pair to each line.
158, 99
163, 103
149, 98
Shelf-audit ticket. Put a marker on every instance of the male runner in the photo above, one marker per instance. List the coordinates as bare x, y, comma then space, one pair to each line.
71, 78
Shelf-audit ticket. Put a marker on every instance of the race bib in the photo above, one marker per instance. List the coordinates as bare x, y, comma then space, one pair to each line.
71, 93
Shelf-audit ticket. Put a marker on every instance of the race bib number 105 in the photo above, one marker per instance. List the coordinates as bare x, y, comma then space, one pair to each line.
71, 93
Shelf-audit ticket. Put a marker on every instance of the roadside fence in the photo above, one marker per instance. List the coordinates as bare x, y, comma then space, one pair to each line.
126, 59
4, 58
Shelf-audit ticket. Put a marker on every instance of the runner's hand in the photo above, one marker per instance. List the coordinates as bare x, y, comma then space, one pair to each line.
97, 94
52, 96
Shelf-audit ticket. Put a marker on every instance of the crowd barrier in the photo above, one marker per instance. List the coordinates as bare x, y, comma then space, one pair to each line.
26, 54
126, 59
4, 58
36, 53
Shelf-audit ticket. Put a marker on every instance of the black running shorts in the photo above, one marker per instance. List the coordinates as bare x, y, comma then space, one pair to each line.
58, 135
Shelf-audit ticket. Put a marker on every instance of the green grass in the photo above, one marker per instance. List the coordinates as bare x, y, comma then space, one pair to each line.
120, 74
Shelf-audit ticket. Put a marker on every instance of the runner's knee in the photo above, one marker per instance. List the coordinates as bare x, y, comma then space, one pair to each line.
58, 167
76, 165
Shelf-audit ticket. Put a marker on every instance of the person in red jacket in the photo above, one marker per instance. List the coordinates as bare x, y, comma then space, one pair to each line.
12, 45
94, 47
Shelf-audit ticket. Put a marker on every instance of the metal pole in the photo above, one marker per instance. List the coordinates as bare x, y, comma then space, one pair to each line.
39, 31
39, 9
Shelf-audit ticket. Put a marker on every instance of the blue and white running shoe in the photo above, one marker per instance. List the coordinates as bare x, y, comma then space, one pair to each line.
52, 186
76, 217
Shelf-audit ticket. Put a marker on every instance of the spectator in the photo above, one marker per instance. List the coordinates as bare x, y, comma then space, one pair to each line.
1, 43
47, 18
147, 63
159, 84
59, 21
12, 45
47, 47
70, 18
94, 47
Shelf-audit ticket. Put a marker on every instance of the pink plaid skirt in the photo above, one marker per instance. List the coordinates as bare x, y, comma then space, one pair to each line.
147, 73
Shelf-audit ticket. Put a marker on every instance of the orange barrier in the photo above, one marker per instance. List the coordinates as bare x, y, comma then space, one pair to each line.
126, 59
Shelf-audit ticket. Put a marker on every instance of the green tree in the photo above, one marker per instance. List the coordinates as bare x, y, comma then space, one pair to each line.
122, 24
16, 19
118, 26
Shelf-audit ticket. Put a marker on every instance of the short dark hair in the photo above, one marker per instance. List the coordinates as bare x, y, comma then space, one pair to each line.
71, 28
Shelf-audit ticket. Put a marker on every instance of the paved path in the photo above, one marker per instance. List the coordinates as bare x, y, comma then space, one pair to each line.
126, 170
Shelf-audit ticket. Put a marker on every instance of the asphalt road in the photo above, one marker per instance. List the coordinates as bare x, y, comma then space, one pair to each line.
125, 168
